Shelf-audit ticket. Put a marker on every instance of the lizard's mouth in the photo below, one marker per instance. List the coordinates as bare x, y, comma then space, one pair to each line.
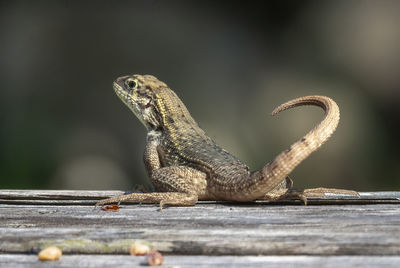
121, 93
125, 97
129, 101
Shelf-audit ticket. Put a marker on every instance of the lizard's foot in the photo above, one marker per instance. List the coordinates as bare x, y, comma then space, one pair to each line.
303, 195
285, 194
174, 199
325, 192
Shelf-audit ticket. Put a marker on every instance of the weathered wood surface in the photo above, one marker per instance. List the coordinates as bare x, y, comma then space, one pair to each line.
18, 260
73, 197
290, 234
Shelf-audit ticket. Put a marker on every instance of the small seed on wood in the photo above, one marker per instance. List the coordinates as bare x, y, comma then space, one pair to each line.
154, 258
50, 254
139, 249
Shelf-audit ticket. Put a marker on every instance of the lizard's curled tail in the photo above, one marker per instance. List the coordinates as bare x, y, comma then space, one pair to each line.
273, 173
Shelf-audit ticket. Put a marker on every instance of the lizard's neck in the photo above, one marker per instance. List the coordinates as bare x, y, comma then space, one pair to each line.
174, 115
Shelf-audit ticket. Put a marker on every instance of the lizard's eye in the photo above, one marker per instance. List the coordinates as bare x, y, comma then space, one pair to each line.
131, 84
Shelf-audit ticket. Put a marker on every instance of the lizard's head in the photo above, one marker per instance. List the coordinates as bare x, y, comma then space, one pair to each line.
138, 93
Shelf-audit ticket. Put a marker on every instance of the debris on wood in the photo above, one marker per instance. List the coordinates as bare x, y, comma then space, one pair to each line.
50, 254
113, 207
138, 249
154, 258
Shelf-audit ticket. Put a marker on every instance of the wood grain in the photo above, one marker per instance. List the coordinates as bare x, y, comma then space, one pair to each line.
73, 197
342, 233
19, 260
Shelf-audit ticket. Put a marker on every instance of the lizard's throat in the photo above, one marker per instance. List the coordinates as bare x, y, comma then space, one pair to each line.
131, 104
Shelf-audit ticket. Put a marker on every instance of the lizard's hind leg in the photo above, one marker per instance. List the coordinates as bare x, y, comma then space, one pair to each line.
303, 195
284, 191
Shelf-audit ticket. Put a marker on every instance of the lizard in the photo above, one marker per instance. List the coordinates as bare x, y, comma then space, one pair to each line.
185, 165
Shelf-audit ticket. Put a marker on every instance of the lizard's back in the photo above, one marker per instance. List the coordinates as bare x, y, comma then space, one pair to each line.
183, 142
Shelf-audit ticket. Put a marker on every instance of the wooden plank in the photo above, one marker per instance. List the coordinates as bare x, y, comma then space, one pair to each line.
205, 229
56, 194
72, 197
19, 260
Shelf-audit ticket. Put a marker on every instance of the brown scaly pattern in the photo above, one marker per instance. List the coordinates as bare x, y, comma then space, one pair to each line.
185, 165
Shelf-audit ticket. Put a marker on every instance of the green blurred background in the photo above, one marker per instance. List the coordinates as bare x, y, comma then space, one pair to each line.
231, 63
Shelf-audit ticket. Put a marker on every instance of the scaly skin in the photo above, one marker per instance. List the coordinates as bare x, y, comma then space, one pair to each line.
185, 165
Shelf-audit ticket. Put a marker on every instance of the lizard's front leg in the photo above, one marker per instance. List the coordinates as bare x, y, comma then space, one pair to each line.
174, 185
